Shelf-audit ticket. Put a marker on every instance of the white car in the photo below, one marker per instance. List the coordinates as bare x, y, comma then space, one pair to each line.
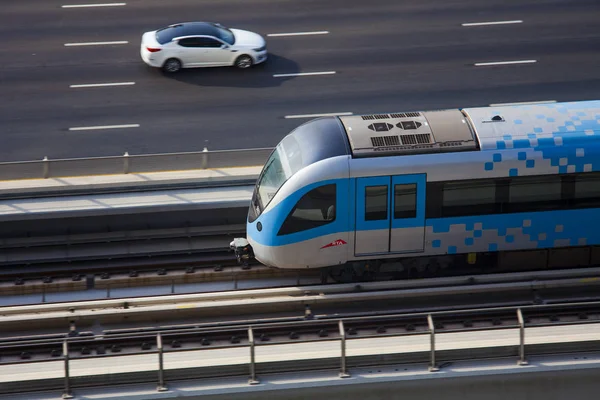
201, 44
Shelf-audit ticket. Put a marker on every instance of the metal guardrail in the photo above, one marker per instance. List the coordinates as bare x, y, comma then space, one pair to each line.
344, 325
131, 164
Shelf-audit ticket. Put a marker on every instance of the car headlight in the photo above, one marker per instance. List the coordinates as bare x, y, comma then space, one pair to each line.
260, 48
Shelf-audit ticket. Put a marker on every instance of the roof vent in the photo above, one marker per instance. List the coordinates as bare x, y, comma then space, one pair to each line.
375, 116
408, 125
380, 141
408, 133
406, 115
380, 127
422, 138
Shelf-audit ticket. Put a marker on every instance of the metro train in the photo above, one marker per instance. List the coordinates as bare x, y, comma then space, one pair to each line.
491, 185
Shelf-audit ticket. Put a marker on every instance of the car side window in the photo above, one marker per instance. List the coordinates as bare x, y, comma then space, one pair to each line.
190, 42
210, 43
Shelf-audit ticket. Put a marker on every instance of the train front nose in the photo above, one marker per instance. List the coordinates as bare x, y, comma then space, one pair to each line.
242, 249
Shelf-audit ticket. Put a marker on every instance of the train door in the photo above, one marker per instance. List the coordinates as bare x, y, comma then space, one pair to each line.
390, 214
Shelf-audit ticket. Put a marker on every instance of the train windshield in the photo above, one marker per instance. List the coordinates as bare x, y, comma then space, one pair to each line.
284, 162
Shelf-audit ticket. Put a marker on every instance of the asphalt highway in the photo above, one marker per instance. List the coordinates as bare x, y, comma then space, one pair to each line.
364, 56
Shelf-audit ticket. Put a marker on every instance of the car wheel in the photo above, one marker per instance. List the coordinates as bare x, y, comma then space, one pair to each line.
172, 65
243, 61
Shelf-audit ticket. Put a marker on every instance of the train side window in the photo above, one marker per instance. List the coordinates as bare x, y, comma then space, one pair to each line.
587, 190
405, 201
376, 203
535, 193
316, 208
433, 197
469, 198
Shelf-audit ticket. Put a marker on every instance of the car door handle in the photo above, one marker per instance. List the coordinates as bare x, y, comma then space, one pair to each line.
233, 51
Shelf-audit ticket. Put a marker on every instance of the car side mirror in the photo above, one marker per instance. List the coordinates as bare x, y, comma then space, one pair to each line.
225, 46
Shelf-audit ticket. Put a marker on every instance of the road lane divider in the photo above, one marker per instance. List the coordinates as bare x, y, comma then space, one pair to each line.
89, 128
517, 21
487, 64
304, 74
317, 115
96, 43
94, 5
92, 85
298, 34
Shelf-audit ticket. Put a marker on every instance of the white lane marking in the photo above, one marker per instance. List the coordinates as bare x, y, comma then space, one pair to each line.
94, 5
298, 33
304, 74
96, 43
317, 115
523, 103
89, 128
505, 63
517, 21
87, 85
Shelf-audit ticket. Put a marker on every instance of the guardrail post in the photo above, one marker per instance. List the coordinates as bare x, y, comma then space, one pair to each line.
46, 167
67, 392
161, 372
522, 360
432, 366
343, 372
204, 158
126, 162
252, 380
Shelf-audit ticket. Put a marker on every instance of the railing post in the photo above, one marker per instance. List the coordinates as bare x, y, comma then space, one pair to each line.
205, 158
161, 372
252, 380
126, 162
432, 366
67, 392
46, 167
522, 360
343, 372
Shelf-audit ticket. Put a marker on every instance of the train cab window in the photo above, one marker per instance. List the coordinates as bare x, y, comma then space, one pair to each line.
468, 198
376, 203
534, 193
587, 190
316, 208
405, 201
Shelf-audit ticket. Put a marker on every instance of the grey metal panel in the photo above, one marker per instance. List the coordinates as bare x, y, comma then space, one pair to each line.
404, 240
408, 133
372, 242
449, 126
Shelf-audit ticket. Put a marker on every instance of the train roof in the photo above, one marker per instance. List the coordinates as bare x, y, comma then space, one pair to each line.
522, 126
471, 129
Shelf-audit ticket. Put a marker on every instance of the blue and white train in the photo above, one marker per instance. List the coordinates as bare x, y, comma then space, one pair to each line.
504, 184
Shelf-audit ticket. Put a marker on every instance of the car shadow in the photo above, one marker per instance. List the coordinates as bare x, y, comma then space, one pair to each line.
260, 75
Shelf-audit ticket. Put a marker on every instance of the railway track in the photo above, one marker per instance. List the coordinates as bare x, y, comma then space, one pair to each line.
110, 318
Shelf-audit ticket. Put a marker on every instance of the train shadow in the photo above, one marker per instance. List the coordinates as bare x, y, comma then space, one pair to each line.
260, 75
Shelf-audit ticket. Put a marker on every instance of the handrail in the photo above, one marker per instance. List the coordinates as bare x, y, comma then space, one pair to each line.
131, 164
428, 318
251, 345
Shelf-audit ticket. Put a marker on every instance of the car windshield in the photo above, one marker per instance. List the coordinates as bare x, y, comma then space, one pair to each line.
284, 162
225, 34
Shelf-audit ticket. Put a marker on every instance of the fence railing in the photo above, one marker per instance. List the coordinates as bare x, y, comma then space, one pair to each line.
130, 164
243, 337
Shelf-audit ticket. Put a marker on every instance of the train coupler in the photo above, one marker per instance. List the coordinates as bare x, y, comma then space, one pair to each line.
242, 250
